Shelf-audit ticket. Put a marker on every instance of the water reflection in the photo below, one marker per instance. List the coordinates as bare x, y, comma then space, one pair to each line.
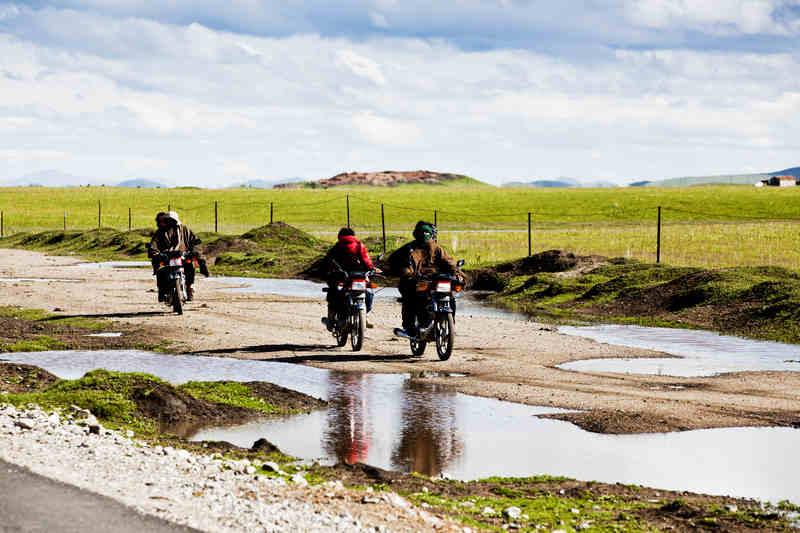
347, 435
702, 353
429, 435
396, 423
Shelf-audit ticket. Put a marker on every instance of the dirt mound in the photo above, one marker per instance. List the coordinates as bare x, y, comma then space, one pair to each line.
387, 178
16, 378
496, 277
280, 234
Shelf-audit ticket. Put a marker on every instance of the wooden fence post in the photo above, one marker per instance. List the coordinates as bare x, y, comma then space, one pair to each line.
270, 212
435, 217
216, 217
129, 219
348, 210
530, 239
658, 237
383, 229
99, 214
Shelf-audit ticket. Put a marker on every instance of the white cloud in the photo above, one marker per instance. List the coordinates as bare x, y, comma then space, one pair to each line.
378, 19
361, 66
746, 16
386, 131
191, 104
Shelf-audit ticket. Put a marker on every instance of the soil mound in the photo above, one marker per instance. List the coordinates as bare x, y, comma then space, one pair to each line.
387, 178
17, 378
496, 277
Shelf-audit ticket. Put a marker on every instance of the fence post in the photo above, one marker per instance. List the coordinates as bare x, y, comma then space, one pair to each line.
99, 213
65, 221
348, 210
270, 212
2, 225
530, 241
216, 217
383, 229
435, 217
658, 237
129, 219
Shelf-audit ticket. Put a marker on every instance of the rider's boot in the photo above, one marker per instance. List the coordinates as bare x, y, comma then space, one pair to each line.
189, 293
331, 319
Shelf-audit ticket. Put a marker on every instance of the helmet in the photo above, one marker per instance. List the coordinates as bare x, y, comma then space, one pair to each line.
160, 220
174, 216
424, 231
344, 232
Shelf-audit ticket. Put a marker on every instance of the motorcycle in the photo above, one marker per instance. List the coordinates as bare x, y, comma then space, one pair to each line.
351, 308
175, 278
435, 313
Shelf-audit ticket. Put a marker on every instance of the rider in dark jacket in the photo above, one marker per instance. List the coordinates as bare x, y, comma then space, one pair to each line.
350, 255
172, 236
421, 256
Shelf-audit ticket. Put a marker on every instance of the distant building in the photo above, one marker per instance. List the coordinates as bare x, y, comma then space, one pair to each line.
779, 181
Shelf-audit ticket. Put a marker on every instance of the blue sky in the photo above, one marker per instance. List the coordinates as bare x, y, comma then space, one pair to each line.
214, 93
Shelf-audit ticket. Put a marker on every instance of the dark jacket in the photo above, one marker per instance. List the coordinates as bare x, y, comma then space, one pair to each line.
350, 254
416, 258
172, 239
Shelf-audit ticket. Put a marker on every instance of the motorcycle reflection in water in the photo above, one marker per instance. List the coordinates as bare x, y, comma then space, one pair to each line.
429, 439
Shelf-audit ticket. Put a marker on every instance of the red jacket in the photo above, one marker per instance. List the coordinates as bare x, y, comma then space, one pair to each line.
351, 254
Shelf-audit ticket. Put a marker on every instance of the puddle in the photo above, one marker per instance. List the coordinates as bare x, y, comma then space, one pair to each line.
112, 264
106, 334
467, 303
702, 353
397, 423
17, 280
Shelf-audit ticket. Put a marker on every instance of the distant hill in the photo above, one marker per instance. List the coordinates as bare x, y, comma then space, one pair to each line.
388, 178
730, 179
794, 171
266, 184
141, 183
639, 183
51, 178
559, 182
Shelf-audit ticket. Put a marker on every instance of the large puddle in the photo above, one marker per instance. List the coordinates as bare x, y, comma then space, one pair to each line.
394, 422
702, 353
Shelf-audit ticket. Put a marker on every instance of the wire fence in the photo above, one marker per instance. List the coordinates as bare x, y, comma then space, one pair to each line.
659, 233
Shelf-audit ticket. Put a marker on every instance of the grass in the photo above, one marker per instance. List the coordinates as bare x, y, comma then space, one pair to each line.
706, 226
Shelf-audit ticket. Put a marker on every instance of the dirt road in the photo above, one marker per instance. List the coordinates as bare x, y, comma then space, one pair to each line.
507, 359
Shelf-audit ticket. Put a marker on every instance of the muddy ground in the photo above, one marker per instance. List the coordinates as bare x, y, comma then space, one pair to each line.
653, 509
506, 359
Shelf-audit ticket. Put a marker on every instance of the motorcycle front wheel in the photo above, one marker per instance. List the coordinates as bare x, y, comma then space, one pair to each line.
177, 297
340, 333
418, 345
445, 335
358, 322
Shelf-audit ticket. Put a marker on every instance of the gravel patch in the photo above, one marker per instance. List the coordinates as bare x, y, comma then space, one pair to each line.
199, 491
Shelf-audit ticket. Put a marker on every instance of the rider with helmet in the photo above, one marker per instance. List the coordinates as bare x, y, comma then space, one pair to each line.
172, 236
348, 254
421, 256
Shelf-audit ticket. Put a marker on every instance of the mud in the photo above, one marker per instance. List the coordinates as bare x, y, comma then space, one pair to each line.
507, 359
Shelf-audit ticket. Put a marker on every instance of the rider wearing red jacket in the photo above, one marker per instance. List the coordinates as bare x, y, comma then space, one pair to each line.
350, 255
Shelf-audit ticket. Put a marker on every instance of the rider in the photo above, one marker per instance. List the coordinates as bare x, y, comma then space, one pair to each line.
421, 256
350, 255
172, 236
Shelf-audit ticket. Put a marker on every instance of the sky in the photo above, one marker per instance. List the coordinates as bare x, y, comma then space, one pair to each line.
209, 93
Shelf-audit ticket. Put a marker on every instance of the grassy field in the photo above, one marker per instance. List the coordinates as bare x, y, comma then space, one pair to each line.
708, 226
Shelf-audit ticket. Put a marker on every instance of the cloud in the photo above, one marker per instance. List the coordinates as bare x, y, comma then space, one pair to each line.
147, 95
361, 66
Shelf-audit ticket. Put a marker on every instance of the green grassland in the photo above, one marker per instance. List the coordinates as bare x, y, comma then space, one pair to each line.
705, 226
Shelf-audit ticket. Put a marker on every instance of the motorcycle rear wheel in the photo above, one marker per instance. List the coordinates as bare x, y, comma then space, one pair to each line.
445, 335
177, 298
340, 333
358, 322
